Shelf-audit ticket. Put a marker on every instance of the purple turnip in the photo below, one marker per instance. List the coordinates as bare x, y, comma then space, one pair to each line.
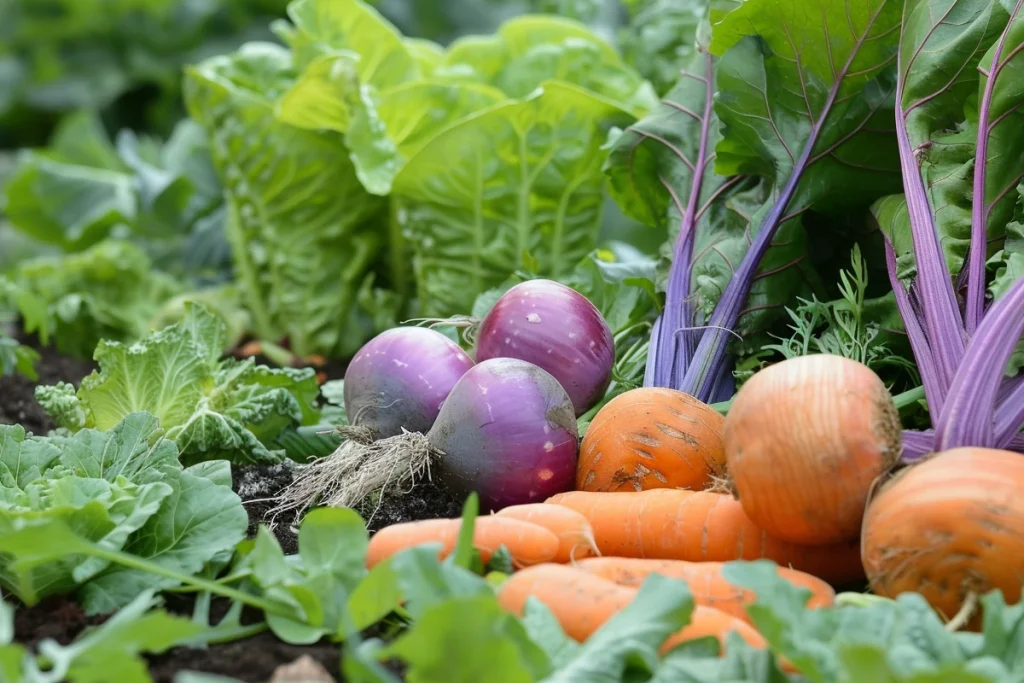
557, 329
396, 384
507, 430
399, 379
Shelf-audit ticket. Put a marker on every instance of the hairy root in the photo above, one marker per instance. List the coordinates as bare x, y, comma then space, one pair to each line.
357, 469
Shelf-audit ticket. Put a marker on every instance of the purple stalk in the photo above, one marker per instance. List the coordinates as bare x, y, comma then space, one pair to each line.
917, 444
918, 340
1010, 411
975, 265
967, 417
704, 370
943, 324
671, 341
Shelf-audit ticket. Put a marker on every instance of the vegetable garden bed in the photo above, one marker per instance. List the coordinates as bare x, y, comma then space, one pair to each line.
632, 341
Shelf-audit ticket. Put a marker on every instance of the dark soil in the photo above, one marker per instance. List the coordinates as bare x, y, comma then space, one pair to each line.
256, 658
17, 394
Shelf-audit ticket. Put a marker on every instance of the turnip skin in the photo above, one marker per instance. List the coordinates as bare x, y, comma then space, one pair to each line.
400, 378
507, 431
557, 329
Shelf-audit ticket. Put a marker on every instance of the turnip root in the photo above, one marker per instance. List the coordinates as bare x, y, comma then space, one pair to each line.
805, 440
507, 431
557, 329
396, 383
950, 528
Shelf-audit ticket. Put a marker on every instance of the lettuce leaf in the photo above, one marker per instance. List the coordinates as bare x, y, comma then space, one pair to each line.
528, 191
211, 408
121, 489
298, 215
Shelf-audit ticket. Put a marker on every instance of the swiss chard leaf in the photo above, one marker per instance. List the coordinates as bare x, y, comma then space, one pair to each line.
211, 408
803, 101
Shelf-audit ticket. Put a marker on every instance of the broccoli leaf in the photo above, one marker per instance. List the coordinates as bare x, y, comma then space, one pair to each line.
213, 409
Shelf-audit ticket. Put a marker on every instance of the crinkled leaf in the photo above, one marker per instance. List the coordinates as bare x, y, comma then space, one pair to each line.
211, 408
527, 51
327, 26
297, 210
62, 478
659, 39
109, 291
528, 185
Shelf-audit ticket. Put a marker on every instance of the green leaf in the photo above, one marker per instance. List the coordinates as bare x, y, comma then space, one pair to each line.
543, 628
111, 651
297, 212
109, 291
528, 183
486, 642
199, 521
426, 582
17, 358
809, 90
327, 26
376, 596
527, 51
211, 408
96, 493
631, 639
334, 541
660, 38
700, 661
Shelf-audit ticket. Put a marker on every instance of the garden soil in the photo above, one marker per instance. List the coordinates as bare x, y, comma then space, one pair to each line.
256, 658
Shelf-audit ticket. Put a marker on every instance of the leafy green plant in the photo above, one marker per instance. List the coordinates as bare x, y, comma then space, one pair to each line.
17, 358
123, 490
211, 407
356, 107
846, 327
58, 56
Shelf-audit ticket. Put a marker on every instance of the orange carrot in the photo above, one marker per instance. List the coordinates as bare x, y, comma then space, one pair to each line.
527, 543
805, 440
575, 536
948, 528
710, 588
649, 438
583, 602
700, 526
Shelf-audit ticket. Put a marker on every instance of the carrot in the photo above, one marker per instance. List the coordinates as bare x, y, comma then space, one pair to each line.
527, 543
710, 588
583, 602
805, 440
575, 537
700, 526
951, 529
649, 438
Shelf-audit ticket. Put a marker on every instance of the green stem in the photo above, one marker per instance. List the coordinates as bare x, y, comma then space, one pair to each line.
133, 562
908, 398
